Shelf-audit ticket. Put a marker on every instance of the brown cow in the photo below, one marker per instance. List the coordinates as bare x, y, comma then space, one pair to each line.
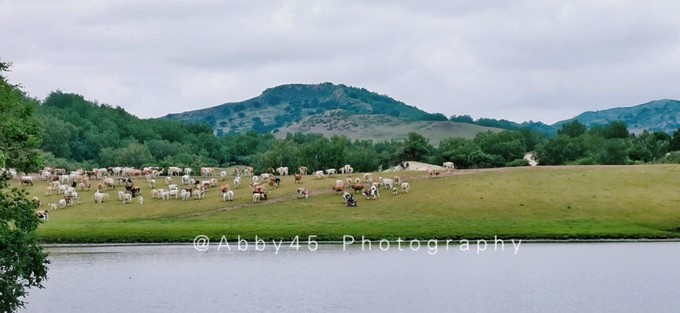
224, 188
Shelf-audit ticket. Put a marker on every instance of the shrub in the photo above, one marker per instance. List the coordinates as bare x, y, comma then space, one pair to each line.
518, 162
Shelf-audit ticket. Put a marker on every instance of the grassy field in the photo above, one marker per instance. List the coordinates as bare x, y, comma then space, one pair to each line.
585, 202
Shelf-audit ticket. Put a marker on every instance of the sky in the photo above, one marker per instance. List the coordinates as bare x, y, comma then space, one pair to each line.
518, 60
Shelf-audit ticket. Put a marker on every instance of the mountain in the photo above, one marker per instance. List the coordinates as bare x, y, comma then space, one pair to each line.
657, 115
329, 109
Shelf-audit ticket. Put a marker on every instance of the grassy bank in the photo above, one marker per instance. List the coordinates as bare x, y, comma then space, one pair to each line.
586, 202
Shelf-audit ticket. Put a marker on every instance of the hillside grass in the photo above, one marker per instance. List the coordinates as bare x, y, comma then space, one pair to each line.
584, 202
383, 128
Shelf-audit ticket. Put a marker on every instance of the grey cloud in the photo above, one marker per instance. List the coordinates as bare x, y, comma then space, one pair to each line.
518, 60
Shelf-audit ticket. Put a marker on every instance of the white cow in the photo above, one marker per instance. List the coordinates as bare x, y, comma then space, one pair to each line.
282, 170
405, 187
228, 196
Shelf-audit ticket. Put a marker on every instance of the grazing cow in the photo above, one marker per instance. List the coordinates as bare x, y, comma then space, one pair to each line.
165, 195
386, 183
237, 181
132, 189
207, 171
127, 198
43, 215
338, 188
224, 188
274, 181
394, 191
347, 169
248, 171
302, 170
174, 171
283, 170
302, 193
405, 187
258, 189
223, 176
449, 166
357, 187
187, 171
99, 197
185, 194
109, 182
318, 174
186, 179
270, 170
298, 178
27, 180
228, 196
372, 193
52, 206
256, 197
198, 194
331, 172
368, 178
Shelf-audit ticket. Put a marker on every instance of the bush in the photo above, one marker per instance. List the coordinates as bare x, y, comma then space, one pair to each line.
673, 158
518, 162
584, 161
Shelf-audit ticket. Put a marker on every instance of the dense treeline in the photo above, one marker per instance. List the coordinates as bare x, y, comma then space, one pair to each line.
79, 133
505, 124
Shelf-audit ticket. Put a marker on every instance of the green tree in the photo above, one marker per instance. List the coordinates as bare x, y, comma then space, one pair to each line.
458, 151
560, 149
135, 154
615, 129
675, 141
416, 148
572, 129
23, 263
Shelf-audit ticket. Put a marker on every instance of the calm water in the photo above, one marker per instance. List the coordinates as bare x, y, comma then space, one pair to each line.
582, 277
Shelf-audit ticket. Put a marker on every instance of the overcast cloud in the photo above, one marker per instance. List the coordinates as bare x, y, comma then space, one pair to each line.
519, 60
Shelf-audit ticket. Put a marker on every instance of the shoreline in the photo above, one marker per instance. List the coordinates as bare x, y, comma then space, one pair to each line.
337, 242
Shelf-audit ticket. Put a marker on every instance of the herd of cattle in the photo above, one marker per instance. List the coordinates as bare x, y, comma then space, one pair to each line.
68, 184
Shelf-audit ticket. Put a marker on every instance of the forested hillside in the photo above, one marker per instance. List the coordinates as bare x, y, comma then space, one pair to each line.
285, 105
658, 115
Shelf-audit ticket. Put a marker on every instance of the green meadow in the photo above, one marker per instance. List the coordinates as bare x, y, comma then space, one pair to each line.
569, 202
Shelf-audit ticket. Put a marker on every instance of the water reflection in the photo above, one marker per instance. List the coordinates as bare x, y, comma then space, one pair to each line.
608, 277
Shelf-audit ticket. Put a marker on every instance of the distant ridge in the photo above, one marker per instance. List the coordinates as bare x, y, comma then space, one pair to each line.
329, 109
658, 115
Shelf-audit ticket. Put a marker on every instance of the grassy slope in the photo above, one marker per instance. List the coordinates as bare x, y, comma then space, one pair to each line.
550, 203
380, 128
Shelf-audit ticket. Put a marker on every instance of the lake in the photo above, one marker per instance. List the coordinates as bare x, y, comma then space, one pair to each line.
536, 277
